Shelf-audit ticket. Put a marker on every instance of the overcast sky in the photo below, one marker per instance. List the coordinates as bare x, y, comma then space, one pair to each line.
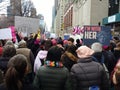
3, 6
44, 7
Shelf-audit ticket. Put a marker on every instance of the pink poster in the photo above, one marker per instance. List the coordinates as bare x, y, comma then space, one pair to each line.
13, 33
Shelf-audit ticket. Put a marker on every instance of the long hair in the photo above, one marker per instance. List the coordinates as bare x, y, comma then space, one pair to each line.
72, 49
15, 73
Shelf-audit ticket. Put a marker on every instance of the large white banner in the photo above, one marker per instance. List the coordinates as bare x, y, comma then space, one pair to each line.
5, 33
26, 25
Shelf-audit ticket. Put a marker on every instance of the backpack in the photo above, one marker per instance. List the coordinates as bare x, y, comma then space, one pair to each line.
94, 88
103, 64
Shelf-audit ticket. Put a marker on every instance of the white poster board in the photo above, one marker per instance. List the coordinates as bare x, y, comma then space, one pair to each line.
5, 33
26, 25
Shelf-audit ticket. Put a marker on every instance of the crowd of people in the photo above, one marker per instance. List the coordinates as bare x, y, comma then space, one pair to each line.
56, 64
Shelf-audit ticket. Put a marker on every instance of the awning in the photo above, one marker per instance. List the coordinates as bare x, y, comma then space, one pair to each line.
111, 19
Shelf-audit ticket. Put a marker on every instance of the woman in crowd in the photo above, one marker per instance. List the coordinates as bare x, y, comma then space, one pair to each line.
22, 49
40, 58
14, 77
69, 57
116, 76
103, 56
53, 75
87, 74
8, 52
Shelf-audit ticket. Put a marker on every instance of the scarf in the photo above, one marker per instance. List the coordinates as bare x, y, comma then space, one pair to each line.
53, 64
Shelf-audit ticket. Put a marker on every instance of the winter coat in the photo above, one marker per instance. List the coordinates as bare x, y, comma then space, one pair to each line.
30, 61
52, 77
39, 60
109, 59
1, 76
3, 63
68, 59
117, 53
25, 87
3, 67
30, 57
87, 73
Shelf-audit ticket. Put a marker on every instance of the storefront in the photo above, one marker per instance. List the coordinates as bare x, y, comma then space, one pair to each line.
114, 22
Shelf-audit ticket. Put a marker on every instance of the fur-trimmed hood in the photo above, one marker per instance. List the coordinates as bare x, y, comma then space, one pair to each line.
71, 56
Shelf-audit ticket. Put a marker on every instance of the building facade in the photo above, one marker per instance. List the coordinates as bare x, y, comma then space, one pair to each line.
79, 13
68, 16
113, 18
59, 20
53, 19
89, 12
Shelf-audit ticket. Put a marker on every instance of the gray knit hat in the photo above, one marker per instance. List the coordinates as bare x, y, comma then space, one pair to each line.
97, 47
22, 44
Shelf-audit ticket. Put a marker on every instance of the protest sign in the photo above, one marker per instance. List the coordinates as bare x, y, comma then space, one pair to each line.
5, 33
100, 34
26, 25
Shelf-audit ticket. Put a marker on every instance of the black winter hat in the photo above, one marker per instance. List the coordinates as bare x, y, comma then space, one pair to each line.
54, 53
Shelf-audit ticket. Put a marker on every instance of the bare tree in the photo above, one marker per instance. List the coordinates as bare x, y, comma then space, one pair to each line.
28, 9
17, 8
22, 7
3, 21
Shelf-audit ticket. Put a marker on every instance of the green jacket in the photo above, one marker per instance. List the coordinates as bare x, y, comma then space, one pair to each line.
52, 78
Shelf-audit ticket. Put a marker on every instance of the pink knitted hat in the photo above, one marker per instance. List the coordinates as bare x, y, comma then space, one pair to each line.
84, 51
54, 42
65, 42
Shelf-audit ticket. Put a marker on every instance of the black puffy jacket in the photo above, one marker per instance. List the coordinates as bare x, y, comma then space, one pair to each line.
52, 78
87, 73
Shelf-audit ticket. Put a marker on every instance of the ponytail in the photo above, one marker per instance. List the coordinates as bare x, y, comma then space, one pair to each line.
15, 73
12, 75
